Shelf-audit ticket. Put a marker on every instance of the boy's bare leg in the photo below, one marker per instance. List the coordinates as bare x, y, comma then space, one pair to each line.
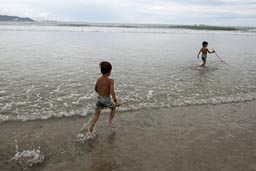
203, 64
93, 121
111, 116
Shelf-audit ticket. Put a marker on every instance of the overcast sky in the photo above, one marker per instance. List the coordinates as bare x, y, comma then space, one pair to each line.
213, 12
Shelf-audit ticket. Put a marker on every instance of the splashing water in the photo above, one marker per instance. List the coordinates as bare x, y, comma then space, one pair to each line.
82, 137
27, 158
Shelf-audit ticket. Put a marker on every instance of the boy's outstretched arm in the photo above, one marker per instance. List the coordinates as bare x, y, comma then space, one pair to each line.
210, 51
112, 92
199, 53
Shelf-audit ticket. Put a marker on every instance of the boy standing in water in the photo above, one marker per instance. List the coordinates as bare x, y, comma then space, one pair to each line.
104, 87
204, 51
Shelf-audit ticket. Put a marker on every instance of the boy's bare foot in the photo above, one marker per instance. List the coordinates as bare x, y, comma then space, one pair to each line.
111, 125
89, 135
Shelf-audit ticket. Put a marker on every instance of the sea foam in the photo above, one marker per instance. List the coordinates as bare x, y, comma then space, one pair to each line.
27, 158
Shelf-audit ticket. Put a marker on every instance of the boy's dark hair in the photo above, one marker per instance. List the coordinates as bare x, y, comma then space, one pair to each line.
105, 67
205, 43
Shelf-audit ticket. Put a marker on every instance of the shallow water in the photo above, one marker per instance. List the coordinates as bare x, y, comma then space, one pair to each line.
52, 73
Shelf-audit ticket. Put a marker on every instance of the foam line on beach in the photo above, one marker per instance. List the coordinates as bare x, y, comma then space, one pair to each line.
177, 30
127, 108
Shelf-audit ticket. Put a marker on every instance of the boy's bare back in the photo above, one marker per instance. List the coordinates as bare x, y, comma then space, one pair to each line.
103, 86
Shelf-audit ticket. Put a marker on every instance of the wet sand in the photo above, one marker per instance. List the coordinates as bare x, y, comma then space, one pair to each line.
195, 138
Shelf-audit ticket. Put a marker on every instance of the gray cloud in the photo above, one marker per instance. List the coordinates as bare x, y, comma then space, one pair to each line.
215, 12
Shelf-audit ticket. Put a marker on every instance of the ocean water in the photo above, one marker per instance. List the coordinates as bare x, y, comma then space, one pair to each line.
50, 71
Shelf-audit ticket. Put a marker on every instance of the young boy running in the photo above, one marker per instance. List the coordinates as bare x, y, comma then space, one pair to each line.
104, 87
204, 51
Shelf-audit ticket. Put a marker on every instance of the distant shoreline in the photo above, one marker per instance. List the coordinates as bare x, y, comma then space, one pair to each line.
164, 26
15, 18
11, 20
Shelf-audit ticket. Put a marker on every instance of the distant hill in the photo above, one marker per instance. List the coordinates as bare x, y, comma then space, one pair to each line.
15, 18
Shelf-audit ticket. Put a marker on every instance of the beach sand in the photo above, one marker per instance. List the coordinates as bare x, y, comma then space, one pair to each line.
191, 138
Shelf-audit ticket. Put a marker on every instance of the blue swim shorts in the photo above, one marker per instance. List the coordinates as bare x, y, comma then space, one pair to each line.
204, 57
103, 102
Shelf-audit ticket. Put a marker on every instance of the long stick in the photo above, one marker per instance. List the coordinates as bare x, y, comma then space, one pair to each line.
219, 57
116, 105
